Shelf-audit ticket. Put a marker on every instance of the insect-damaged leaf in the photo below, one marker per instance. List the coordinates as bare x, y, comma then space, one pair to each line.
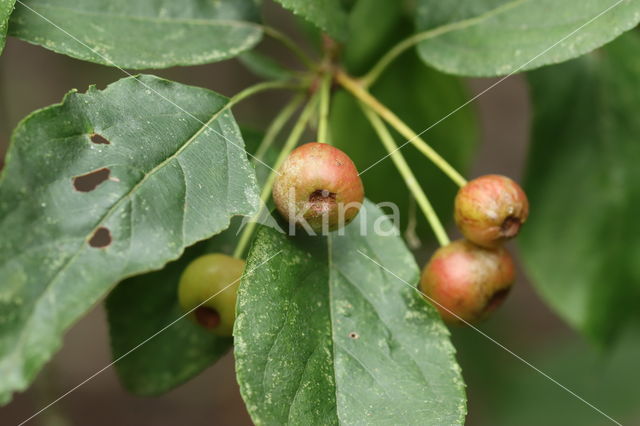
174, 178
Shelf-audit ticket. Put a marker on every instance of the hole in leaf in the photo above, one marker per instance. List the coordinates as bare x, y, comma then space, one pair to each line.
90, 181
101, 238
354, 335
207, 317
98, 139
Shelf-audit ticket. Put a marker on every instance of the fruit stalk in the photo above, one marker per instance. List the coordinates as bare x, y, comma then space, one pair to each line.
261, 87
323, 115
291, 142
277, 124
356, 89
407, 174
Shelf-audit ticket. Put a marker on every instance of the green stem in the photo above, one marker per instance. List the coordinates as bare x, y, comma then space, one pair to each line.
277, 124
291, 142
365, 97
409, 42
323, 121
407, 174
291, 45
260, 87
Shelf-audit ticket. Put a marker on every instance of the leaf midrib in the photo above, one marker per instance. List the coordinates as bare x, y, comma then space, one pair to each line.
469, 22
332, 318
21, 339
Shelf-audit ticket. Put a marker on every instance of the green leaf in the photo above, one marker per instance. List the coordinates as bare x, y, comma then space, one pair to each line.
154, 346
580, 245
167, 181
498, 37
6, 7
366, 46
328, 15
326, 336
142, 33
424, 98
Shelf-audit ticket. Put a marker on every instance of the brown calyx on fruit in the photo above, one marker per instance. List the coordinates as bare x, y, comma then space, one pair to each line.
510, 227
318, 188
207, 317
322, 200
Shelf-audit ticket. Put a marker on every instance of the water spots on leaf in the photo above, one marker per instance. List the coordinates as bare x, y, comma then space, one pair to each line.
98, 139
101, 238
91, 180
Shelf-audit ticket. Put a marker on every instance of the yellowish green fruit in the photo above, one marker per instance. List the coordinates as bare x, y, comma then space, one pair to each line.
208, 289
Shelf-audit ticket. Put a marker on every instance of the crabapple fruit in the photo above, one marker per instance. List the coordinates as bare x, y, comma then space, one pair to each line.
490, 210
208, 289
467, 282
318, 186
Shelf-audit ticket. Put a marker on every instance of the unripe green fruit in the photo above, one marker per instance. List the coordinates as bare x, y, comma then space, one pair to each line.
202, 289
318, 186
467, 282
490, 210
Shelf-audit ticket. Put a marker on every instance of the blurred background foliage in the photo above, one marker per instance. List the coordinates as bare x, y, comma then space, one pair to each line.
489, 136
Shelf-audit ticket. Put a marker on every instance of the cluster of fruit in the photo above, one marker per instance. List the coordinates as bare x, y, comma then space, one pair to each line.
469, 278
318, 188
